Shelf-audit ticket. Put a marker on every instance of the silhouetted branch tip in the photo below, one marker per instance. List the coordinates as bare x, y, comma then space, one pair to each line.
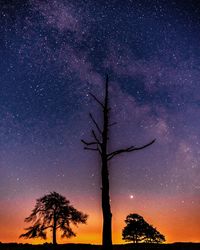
95, 123
93, 149
97, 100
88, 143
107, 79
95, 137
112, 124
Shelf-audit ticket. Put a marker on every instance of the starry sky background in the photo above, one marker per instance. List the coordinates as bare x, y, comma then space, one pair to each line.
53, 53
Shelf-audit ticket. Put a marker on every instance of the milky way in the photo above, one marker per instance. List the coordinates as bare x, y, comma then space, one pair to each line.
53, 53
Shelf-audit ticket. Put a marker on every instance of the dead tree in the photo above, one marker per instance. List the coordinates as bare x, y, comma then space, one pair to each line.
100, 144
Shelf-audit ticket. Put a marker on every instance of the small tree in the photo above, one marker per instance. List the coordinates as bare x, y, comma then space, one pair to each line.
53, 212
138, 230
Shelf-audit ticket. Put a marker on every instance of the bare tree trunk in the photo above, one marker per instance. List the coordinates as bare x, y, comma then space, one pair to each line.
107, 215
100, 144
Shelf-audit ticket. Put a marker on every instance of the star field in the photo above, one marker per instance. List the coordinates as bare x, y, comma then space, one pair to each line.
53, 53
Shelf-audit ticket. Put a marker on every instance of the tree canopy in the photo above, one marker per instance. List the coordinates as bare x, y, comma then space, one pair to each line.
138, 230
53, 211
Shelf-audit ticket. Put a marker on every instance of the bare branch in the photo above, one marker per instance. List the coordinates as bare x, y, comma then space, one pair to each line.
127, 150
94, 121
88, 143
99, 144
93, 149
95, 137
112, 124
96, 99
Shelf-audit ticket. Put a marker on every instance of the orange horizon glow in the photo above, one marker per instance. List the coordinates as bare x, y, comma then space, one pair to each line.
177, 219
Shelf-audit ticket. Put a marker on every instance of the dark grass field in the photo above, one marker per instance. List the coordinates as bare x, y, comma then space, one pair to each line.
174, 246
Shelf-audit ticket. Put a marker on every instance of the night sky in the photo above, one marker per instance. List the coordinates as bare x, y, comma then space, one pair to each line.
53, 53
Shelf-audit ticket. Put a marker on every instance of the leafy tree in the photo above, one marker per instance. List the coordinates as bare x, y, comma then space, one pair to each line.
53, 212
138, 230
99, 143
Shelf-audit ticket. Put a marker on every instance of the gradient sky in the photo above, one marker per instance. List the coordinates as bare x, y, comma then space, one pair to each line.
53, 53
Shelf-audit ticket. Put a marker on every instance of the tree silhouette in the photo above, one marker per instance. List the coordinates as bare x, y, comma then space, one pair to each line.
53, 212
100, 144
138, 230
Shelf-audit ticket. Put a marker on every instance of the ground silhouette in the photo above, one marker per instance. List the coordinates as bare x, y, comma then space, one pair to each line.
140, 246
